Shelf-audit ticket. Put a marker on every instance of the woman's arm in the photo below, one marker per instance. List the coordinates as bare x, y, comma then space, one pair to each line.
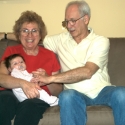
10, 82
55, 88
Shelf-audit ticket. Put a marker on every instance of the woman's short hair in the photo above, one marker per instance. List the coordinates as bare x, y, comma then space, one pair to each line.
30, 17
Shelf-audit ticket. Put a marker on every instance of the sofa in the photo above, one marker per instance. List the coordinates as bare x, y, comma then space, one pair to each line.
97, 115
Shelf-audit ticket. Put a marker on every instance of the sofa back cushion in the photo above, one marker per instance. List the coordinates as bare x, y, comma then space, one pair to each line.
4, 43
116, 64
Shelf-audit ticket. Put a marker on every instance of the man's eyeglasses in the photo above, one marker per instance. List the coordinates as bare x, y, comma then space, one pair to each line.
72, 22
25, 32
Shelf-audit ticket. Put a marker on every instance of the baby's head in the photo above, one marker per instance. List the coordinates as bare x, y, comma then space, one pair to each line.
15, 61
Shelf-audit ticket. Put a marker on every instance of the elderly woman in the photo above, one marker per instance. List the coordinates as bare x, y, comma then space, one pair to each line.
29, 29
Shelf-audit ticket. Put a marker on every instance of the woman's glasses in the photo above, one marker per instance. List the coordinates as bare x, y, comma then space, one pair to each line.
26, 32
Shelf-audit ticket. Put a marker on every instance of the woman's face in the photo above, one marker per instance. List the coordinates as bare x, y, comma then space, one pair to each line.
29, 35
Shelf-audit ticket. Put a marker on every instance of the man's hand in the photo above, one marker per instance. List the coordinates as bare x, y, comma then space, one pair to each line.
41, 80
40, 77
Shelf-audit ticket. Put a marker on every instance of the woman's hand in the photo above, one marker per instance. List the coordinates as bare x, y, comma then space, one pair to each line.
43, 79
39, 72
30, 89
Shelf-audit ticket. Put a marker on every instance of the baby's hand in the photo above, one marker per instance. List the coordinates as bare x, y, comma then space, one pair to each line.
39, 72
35, 80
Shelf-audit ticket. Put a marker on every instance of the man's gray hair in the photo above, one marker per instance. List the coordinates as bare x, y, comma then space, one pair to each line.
83, 7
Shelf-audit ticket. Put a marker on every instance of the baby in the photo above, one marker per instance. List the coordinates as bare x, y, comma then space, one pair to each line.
16, 65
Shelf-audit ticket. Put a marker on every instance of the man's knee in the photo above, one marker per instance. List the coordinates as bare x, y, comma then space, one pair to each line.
67, 94
119, 94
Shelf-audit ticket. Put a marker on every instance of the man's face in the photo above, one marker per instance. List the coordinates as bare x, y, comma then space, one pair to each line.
76, 28
17, 63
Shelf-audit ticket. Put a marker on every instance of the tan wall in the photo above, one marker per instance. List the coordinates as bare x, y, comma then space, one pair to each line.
108, 16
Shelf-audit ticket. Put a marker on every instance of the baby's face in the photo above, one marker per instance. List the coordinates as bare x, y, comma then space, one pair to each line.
17, 63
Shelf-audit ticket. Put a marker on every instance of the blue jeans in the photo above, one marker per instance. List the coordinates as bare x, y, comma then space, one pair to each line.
73, 105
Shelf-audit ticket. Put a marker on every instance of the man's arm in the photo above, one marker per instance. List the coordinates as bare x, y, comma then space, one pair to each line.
71, 76
98, 59
10, 82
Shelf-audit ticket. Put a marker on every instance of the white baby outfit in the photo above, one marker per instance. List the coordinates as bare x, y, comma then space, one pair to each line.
51, 100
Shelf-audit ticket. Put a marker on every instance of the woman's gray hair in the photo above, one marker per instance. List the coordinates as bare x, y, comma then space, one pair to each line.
83, 7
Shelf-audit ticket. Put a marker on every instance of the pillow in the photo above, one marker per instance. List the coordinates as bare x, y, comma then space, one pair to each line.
11, 36
2, 35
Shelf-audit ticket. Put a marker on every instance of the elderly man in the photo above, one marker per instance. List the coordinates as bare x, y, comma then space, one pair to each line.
83, 56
